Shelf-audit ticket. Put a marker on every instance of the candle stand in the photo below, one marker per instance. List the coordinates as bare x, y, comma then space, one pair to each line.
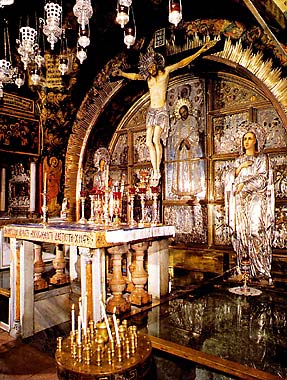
155, 193
142, 194
117, 207
83, 219
128, 355
131, 221
92, 216
99, 207
44, 209
107, 219
245, 290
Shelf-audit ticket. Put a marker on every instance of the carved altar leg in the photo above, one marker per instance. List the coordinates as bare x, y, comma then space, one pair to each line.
59, 264
130, 285
139, 296
39, 267
117, 282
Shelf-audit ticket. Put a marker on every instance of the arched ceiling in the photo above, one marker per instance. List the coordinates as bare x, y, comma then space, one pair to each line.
150, 15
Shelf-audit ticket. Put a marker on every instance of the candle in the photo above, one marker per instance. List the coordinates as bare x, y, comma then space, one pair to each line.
73, 318
116, 328
32, 186
107, 177
79, 330
45, 182
80, 309
106, 320
85, 314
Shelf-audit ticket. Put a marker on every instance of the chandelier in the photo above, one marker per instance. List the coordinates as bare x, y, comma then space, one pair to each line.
8, 74
175, 12
130, 31
27, 45
123, 12
52, 28
83, 11
6, 2
124, 9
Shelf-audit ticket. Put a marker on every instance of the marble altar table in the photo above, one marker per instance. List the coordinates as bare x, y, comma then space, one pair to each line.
92, 244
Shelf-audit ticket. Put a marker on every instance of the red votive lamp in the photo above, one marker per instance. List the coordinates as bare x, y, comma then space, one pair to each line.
132, 190
154, 189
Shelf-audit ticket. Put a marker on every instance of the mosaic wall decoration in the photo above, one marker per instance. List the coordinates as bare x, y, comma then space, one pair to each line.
120, 153
185, 180
190, 223
220, 170
280, 234
198, 153
185, 167
226, 139
276, 132
19, 135
221, 233
279, 165
231, 95
141, 152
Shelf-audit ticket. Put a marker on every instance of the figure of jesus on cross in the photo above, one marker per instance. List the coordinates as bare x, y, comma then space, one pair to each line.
152, 69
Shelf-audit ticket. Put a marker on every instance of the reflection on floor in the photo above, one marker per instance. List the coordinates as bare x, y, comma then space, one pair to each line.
202, 331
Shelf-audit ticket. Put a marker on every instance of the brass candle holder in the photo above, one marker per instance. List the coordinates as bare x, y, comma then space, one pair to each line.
92, 199
245, 289
155, 216
142, 193
97, 356
44, 209
117, 206
132, 192
83, 220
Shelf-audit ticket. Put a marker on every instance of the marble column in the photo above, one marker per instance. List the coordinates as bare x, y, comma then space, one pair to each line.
22, 289
93, 279
139, 296
117, 303
130, 285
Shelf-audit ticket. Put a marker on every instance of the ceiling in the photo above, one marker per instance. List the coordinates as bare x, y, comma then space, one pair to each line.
150, 15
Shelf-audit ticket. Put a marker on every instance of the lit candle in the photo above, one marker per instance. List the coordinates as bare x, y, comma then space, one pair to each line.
85, 314
106, 320
116, 328
79, 330
45, 182
32, 186
107, 177
73, 319
80, 309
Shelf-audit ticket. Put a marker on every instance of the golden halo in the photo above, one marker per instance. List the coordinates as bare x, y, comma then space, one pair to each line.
182, 102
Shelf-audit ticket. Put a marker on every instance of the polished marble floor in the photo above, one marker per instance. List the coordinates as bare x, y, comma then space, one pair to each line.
202, 317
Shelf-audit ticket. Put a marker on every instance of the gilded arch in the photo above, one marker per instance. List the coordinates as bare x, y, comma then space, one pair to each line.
260, 72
